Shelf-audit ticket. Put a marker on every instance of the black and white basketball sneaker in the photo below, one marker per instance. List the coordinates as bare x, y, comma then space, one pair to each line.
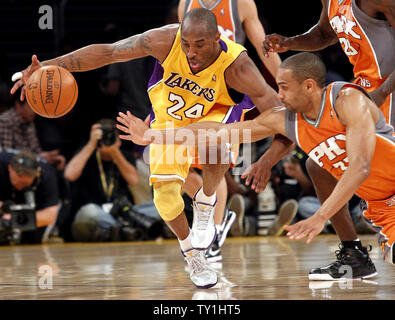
351, 263
213, 254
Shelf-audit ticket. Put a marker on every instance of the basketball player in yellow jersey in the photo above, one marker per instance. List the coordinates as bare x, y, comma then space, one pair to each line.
237, 20
196, 71
365, 29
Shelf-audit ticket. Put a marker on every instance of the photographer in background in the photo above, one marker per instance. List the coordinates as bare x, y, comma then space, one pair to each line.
100, 174
28, 196
18, 131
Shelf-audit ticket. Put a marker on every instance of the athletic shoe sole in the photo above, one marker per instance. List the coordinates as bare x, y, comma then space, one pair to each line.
328, 277
236, 204
286, 213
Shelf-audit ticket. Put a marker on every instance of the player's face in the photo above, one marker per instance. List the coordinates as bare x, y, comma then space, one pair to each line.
290, 91
20, 181
200, 48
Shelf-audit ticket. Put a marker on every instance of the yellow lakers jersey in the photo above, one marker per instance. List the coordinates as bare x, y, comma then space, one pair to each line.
180, 97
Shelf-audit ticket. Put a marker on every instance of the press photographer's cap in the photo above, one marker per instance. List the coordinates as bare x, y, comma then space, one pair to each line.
26, 163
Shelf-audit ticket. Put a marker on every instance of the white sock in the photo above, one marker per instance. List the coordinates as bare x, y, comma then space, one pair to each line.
186, 243
201, 197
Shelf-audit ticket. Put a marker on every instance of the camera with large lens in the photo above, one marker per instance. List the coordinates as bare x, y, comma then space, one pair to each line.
131, 220
23, 216
109, 135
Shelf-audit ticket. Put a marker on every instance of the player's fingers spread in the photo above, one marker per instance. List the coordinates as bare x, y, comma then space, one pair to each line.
310, 237
257, 184
122, 120
130, 115
35, 61
23, 93
293, 230
301, 235
122, 128
296, 232
15, 87
125, 137
249, 178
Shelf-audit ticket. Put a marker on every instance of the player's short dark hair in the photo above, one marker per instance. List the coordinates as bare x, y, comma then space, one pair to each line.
200, 15
306, 65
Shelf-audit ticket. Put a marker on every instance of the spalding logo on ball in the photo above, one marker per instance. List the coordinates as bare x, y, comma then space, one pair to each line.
51, 91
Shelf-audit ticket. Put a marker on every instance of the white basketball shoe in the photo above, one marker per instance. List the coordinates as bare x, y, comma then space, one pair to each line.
201, 274
203, 228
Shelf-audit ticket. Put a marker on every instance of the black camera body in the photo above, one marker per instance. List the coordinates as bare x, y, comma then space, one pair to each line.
149, 228
23, 216
109, 135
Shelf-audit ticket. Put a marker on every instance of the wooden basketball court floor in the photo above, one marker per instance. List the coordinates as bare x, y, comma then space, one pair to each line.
257, 268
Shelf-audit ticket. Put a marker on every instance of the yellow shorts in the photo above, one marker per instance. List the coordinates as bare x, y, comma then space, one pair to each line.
172, 162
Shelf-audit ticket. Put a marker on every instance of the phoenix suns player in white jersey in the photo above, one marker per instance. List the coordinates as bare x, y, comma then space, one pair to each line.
199, 76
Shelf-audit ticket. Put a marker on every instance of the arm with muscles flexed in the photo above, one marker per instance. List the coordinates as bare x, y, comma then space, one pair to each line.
155, 42
359, 114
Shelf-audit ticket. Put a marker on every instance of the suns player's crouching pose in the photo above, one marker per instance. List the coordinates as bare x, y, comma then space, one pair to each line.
365, 30
341, 129
200, 76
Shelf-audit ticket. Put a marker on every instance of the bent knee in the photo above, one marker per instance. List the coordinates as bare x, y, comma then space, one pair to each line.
168, 199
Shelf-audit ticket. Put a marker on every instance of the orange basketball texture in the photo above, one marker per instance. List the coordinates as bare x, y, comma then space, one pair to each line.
51, 91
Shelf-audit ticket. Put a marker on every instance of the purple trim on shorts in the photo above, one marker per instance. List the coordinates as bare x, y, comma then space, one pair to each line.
235, 115
151, 116
140, 150
237, 111
157, 74
247, 103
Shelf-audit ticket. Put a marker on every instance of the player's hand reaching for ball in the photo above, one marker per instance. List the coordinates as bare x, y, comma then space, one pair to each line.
23, 76
275, 43
136, 129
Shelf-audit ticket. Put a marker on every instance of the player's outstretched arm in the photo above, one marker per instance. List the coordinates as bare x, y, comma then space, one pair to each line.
155, 42
204, 132
317, 38
359, 114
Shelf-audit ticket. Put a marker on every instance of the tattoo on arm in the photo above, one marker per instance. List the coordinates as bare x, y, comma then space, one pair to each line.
143, 40
126, 44
69, 62
61, 63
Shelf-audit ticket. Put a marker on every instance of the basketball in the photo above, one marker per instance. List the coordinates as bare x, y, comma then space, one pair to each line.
51, 91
